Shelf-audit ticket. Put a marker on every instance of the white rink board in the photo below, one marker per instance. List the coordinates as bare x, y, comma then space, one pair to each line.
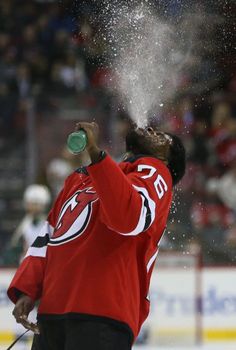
219, 290
8, 327
173, 306
7, 322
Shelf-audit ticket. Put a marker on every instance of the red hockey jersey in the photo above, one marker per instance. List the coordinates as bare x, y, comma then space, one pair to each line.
96, 252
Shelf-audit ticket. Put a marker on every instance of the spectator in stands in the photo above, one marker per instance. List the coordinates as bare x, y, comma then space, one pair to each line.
36, 201
225, 187
223, 133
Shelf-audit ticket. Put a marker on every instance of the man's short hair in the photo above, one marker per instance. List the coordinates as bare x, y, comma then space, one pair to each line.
176, 159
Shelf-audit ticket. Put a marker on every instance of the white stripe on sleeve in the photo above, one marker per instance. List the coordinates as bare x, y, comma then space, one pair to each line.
147, 214
39, 252
39, 246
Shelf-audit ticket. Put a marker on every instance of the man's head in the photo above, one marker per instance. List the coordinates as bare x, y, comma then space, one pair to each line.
164, 146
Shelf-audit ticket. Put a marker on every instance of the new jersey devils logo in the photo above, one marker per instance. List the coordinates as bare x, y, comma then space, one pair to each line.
74, 217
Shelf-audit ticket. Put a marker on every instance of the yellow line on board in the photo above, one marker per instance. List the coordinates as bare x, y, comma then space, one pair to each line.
219, 334
208, 334
7, 337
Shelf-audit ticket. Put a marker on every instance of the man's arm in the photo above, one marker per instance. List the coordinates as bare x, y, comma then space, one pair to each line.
128, 203
123, 208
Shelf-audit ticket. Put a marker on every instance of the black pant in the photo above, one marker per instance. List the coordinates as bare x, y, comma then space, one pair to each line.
72, 334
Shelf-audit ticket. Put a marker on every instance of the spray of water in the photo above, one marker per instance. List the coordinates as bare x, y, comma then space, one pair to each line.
147, 55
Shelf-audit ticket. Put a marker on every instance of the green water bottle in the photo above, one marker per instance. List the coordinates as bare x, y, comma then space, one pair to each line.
77, 141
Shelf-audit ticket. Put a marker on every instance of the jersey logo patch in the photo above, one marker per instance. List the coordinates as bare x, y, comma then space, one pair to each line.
74, 217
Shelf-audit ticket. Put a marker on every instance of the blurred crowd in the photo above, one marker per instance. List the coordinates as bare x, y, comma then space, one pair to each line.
47, 52
206, 195
55, 55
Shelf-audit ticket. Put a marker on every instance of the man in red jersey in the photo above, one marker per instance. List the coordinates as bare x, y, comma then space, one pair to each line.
91, 265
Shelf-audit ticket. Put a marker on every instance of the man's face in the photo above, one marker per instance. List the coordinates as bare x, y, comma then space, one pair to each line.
149, 141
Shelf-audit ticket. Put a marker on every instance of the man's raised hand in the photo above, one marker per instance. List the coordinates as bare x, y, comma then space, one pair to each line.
92, 131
